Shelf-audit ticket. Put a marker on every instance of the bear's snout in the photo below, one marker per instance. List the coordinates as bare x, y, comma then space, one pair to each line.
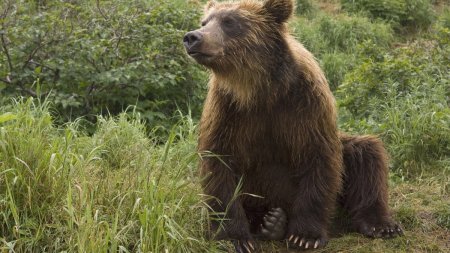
191, 40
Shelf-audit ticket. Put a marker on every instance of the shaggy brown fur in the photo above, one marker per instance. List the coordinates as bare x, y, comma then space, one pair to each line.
270, 120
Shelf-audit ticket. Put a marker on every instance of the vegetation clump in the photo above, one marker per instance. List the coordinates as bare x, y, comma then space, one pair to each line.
417, 14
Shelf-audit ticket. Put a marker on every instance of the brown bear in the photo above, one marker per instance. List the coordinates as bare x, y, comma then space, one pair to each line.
274, 163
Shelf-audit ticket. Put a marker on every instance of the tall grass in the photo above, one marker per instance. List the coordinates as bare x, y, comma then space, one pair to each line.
114, 191
118, 190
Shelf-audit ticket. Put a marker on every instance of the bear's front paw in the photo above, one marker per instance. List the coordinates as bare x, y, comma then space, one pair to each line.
302, 241
306, 234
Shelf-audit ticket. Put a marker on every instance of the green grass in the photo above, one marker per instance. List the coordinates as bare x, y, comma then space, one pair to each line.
61, 190
118, 190
335, 39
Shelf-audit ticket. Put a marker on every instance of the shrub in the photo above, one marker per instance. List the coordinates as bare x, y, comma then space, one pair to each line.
99, 58
418, 14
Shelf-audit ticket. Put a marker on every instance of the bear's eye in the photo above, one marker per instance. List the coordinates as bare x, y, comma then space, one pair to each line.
228, 22
204, 23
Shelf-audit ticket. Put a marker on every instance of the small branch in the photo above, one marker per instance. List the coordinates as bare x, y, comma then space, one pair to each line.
42, 65
7, 80
28, 91
33, 53
5, 12
2, 36
5, 49
92, 62
134, 59
117, 43
100, 10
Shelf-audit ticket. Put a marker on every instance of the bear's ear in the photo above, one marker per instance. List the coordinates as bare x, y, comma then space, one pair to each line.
280, 10
209, 5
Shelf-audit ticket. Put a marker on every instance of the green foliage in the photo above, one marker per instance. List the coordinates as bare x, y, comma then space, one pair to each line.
61, 190
388, 10
403, 95
334, 40
304, 7
410, 13
33, 171
344, 33
121, 142
445, 18
326, 34
336, 65
99, 57
419, 13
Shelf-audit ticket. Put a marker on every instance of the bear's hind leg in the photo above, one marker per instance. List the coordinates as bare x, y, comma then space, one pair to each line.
365, 194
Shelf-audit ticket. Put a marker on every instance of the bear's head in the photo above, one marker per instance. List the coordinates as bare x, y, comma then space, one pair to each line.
239, 35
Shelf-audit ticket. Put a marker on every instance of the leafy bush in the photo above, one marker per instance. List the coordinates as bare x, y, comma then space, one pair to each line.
412, 13
99, 58
419, 13
403, 95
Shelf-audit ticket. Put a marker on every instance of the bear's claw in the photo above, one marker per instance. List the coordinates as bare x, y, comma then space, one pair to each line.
304, 243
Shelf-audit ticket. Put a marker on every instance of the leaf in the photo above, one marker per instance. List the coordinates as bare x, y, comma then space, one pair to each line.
38, 70
7, 117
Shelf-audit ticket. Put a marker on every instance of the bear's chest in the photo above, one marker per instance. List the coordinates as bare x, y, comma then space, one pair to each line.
257, 137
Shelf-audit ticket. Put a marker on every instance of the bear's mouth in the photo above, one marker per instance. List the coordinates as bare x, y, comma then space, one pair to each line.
197, 54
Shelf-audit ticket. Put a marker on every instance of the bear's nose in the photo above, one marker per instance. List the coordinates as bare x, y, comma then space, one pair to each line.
192, 38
